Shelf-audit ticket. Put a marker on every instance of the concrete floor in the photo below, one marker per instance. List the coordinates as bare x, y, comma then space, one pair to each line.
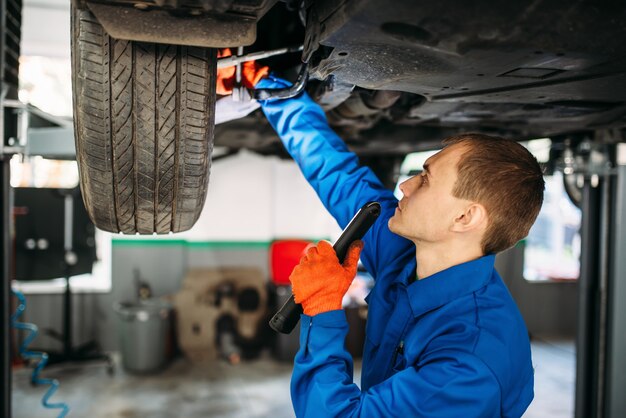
554, 360
258, 388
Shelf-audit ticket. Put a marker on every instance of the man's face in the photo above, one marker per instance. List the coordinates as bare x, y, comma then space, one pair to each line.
427, 210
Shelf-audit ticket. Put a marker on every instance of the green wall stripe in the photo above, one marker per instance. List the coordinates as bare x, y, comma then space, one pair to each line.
147, 242
188, 244
198, 245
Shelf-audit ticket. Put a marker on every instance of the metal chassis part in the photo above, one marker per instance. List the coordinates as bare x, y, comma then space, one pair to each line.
192, 27
311, 44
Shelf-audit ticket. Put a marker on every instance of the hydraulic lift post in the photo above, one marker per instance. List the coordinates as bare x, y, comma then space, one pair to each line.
616, 313
9, 146
601, 342
5, 356
5, 290
10, 36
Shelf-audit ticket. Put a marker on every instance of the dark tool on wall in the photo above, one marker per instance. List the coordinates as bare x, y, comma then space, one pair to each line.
287, 317
47, 250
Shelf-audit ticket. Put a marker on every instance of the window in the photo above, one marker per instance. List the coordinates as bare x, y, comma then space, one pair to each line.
552, 250
46, 83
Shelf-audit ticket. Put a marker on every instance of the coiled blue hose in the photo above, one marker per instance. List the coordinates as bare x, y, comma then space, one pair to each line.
36, 355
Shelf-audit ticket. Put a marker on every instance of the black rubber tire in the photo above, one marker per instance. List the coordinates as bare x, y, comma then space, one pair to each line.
143, 119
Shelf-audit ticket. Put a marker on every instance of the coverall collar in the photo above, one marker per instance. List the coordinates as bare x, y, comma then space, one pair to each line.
445, 286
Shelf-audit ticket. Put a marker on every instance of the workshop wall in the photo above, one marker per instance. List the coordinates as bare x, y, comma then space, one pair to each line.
252, 200
548, 308
256, 198
46, 28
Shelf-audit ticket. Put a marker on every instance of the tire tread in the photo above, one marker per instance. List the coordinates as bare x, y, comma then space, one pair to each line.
144, 129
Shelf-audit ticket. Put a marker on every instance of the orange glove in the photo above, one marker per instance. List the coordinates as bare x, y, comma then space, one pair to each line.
319, 281
251, 73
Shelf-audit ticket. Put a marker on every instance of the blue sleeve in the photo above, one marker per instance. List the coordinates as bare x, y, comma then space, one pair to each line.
444, 384
334, 172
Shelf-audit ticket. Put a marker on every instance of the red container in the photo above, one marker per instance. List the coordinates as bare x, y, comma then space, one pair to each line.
284, 256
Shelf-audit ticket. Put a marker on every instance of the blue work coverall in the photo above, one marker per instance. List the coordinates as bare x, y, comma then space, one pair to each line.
450, 345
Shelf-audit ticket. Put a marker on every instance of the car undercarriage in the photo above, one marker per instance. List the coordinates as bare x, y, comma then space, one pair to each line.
392, 78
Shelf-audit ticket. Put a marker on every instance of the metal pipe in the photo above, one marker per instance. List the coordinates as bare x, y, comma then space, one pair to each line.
238, 87
255, 56
15, 104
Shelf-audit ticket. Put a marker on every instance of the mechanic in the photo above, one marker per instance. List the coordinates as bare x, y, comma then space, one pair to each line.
444, 337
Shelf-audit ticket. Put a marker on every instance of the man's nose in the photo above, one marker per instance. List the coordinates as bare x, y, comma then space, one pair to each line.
402, 187
405, 186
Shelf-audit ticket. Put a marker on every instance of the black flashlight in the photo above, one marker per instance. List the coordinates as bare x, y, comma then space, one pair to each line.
286, 319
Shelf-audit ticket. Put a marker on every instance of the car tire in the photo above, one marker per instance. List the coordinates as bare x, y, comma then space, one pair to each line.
143, 119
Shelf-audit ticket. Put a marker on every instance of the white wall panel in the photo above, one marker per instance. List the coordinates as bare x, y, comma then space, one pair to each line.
46, 28
239, 201
255, 198
298, 212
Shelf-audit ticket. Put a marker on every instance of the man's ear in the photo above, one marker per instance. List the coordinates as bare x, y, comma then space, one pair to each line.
472, 217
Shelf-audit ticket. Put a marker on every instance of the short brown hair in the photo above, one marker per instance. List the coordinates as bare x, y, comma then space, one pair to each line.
504, 177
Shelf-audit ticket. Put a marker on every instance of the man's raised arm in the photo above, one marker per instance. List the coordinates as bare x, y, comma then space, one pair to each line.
333, 170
